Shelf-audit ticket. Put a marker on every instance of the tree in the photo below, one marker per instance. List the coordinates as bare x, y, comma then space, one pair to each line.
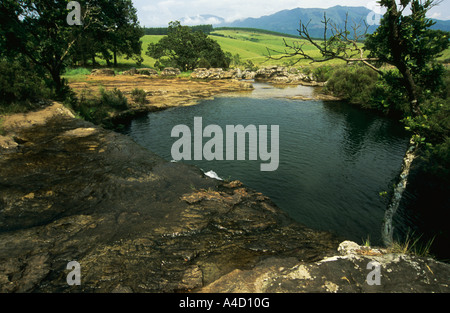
408, 43
119, 31
402, 41
187, 49
38, 30
405, 42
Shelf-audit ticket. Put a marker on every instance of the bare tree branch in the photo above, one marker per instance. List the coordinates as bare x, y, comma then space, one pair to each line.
344, 44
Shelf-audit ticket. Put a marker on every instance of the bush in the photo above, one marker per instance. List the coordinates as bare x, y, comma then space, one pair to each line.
139, 96
323, 73
249, 65
164, 62
21, 87
354, 83
114, 99
204, 63
98, 109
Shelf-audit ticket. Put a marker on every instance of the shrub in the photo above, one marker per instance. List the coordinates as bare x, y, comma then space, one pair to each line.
21, 87
354, 83
323, 73
204, 63
139, 96
114, 99
249, 65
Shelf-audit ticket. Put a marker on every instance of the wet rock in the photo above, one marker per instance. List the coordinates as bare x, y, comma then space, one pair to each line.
133, 221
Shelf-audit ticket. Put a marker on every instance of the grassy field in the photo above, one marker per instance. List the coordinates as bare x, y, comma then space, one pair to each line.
254, 46
250, 45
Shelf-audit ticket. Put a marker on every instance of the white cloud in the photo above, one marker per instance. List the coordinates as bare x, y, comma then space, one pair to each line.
200, 20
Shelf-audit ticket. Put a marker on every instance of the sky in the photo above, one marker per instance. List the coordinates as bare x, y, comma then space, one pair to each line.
158, 13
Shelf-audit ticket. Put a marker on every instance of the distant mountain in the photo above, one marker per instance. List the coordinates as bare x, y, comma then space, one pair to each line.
287, 21
203, 19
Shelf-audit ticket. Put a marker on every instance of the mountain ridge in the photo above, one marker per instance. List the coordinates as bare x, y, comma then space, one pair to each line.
287, 21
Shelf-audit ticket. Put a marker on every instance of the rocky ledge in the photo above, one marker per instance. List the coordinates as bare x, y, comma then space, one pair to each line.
273, 74
71, 191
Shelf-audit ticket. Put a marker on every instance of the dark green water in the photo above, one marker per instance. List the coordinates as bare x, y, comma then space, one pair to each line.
334, 159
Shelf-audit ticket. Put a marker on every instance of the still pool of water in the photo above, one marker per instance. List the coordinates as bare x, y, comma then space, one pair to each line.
335, 159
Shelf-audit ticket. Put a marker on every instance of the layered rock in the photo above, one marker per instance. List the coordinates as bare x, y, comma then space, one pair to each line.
273, 74
213, 73
284, 75
354, 269
71, 191
134, 222
141, 71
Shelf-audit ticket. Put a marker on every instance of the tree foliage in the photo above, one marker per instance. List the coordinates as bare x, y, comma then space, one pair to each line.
408, 43
115, 32
38, 32
186, 49
403, 41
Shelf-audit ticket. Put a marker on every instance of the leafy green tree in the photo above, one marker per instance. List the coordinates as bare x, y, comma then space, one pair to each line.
403, 41
38, 31
186, 49
408, 43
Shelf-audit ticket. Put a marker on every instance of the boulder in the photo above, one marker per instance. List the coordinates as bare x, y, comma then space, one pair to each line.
146, 71
200, 73
354, 269
170, 71
248, 75
271, 72
103, 72
130, 72
213, 73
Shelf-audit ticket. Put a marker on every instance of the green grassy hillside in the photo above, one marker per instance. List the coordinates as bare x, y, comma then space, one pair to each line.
249, 44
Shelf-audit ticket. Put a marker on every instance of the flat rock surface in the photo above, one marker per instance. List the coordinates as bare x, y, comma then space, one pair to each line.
71, 191
161, 92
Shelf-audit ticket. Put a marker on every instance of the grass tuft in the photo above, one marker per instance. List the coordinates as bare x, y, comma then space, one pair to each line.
412, 245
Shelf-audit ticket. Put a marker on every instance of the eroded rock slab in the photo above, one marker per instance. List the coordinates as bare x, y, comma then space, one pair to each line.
353, 269
70, 191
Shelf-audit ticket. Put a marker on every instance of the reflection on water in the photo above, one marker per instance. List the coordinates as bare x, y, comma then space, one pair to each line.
334, 159
264, 91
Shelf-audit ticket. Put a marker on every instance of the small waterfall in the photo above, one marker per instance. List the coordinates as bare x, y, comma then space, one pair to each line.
388, 229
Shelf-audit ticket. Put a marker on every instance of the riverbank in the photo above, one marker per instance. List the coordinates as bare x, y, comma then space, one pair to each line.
72, 191
161, 92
